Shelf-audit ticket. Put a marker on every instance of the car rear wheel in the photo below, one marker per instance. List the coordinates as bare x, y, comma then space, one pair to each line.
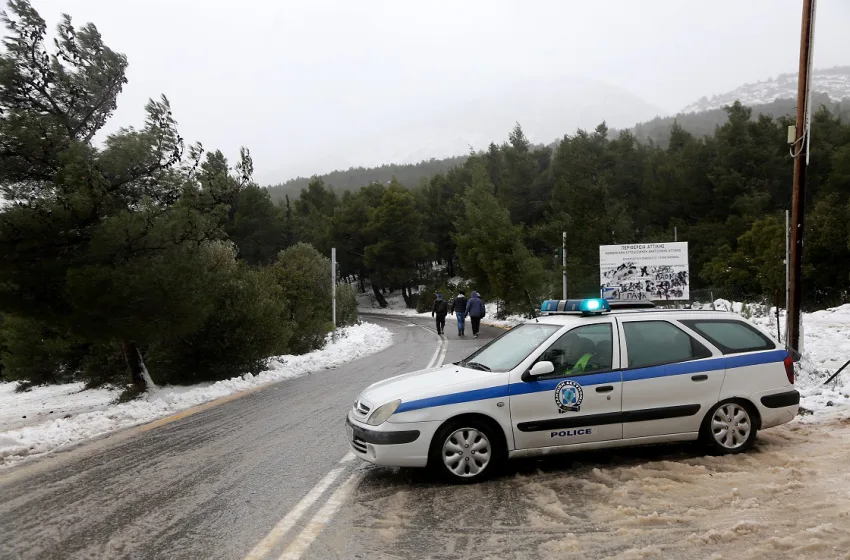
466, 450
730, 427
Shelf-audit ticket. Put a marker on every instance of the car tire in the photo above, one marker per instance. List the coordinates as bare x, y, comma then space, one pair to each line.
459, 448
730, 427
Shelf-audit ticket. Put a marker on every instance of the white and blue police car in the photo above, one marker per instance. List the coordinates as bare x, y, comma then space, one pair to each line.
581, 376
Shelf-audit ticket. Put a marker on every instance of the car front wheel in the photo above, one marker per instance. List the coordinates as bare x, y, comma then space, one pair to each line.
466, 451
730, 427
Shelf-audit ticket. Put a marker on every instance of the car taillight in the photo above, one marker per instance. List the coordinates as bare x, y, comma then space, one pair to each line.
789, 368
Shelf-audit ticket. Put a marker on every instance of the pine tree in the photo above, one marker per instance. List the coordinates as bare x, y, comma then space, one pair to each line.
490, 247
397, 249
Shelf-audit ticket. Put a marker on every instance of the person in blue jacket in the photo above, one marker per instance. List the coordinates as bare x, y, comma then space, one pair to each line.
458, 307
476, 312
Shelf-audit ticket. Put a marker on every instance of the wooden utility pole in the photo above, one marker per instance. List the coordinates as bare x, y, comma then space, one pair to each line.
798, 150
564, 262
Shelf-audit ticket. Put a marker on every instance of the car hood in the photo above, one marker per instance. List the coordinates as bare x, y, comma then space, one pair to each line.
425, 383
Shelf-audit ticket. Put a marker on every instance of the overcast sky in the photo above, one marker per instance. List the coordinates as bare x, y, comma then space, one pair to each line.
306, 84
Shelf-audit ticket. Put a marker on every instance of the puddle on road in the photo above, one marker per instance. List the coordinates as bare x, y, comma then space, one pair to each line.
789, 497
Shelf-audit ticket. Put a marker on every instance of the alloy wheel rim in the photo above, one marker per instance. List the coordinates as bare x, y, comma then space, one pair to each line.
466, 452
731, 426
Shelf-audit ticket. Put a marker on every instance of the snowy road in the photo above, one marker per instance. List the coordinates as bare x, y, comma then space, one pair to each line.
210, 485
262, 474
788, 498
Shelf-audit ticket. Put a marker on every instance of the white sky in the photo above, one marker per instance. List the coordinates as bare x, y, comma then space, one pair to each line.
309, 85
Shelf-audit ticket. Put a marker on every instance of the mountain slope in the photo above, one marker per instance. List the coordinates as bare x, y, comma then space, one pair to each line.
562, 110
834, 82
703, 123
353, 178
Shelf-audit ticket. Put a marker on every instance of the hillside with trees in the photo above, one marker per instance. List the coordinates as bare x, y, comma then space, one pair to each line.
354, 178
144, 259
657, 130
497, 219
703, 123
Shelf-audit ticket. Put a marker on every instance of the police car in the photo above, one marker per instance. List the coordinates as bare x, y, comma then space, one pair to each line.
581, 376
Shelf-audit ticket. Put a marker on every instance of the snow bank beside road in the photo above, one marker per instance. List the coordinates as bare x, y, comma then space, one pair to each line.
16, 443
826, 347
49, 402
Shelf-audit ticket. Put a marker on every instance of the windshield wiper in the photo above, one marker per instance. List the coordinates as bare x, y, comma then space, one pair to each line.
476, 365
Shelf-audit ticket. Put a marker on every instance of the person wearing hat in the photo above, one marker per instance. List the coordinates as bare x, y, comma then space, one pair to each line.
475, 310
440, 309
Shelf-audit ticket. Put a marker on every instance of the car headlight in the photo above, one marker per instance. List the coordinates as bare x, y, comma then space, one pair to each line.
383, 412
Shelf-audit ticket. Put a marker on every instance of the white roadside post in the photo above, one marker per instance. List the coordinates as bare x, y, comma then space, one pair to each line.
564, 262
333, 288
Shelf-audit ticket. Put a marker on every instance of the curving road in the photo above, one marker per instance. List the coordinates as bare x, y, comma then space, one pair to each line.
211, 485
269, 476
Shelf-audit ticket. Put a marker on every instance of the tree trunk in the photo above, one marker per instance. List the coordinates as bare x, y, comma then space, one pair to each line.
382, 301
405, 294
362, 283
135, 363
450, 265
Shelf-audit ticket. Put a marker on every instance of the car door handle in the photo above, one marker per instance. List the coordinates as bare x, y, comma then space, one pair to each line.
605, 389
699, 377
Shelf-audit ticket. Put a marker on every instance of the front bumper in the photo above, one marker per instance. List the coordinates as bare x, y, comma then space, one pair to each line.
392, 445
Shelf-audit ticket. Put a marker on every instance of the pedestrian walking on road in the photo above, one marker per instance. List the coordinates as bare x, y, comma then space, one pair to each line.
458, 307
475, 310
440, 309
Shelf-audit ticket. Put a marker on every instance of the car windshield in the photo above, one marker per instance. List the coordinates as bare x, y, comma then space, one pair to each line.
506, 352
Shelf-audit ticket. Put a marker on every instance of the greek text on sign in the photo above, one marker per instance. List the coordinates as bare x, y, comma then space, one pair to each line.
644, 271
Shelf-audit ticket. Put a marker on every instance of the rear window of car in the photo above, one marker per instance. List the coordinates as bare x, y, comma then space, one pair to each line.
655, 343
730, 336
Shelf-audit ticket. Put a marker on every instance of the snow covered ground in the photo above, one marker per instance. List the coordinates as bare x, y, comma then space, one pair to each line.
48, 418
826, 346
49, 402
367, 302
787, 498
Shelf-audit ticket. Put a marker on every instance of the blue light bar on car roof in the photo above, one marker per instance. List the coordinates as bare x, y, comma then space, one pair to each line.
593, 306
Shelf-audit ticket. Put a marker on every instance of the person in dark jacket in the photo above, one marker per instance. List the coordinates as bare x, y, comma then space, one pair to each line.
476, 312
440, 309
458, 307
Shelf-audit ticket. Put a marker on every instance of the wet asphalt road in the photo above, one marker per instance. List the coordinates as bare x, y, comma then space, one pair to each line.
211, 485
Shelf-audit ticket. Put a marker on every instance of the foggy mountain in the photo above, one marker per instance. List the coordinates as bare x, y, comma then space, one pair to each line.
547, 108
835, 82
424, 147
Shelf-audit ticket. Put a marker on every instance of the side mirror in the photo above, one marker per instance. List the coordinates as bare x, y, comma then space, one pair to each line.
538, 369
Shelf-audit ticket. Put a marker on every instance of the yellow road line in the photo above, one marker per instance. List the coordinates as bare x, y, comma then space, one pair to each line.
199, 408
